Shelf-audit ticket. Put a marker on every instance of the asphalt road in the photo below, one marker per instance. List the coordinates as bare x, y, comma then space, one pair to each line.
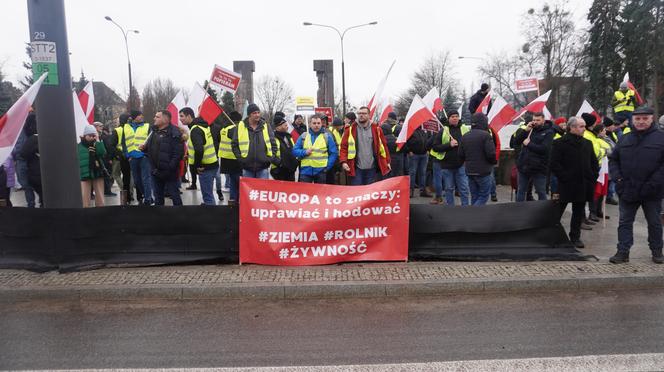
54, 335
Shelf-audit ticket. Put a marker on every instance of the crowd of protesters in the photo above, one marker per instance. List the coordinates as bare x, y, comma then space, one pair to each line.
444, 160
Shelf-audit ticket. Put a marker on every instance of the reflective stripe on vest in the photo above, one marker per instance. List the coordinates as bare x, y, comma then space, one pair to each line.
243, 140
225, 149
133, 139
352, 151
272, 166
319, 155
625, 105
209, 156
119, 131
337, 138
446, 139
597, 147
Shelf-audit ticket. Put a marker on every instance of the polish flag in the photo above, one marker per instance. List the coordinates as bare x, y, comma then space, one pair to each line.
373, 103
196, 97
80, 120
11, 123
547, 113
537, 105
433, 101
602, 185
209, 110
639, 100
484, 105
87, 99
501, 113
175, 106
586, 108
418, 113
386, 111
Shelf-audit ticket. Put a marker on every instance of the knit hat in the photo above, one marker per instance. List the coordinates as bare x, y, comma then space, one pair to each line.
590, 119
452, 112
624, 85
252, 108
560, 120
235, 116
608, 121
392, 115
484, 86
479, 120
351, 116
135, 113
337, 122
89, 129
277, 121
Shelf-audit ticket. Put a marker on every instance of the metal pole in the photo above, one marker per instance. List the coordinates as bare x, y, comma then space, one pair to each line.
343, 78
55, 110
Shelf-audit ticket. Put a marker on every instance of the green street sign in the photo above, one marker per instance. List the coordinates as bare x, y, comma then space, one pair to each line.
44, 59
52, 68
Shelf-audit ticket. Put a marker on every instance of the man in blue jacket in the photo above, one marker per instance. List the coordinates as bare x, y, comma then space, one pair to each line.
317, 152
637, 166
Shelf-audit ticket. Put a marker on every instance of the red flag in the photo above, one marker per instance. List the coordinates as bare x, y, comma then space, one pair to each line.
537, 105
210, 110
87, 99
11, 123
639, 100
501, 114
586, 108
484, 105
386, 111
418, 113
433, 101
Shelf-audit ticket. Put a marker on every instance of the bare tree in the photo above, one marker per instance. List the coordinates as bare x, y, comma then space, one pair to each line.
503, 70
436, 71
273, 94
157, 94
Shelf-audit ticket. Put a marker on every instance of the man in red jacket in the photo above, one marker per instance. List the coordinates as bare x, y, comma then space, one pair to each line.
364, 150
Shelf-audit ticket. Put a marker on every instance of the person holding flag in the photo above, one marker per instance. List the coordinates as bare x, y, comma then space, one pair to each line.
623, 102
449, 173
477, 98
203, 157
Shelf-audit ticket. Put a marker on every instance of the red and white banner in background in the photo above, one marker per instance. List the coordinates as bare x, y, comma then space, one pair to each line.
327, 111
526, 85
225, 79
294, 224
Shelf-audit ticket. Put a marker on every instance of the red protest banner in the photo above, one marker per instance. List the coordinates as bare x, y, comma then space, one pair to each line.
225, 79
293, 224
327, 111
526, 85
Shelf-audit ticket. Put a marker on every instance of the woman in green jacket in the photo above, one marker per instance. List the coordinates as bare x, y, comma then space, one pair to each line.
90, 155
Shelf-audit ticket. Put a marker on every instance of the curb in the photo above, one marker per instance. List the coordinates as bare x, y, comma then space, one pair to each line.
331, 290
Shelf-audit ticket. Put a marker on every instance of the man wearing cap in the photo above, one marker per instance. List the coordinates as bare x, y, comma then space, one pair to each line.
317, 152
391, 130
637, 167
285, 171
449, 173
254, 145
136, 132
364, 150
623, 102
478, 97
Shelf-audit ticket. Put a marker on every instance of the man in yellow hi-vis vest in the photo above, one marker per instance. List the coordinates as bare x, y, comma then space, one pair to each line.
136, 133
317, 152
202, 157
254, 145
623, 102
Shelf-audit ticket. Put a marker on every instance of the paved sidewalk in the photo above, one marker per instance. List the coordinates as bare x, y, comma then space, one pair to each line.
346, 280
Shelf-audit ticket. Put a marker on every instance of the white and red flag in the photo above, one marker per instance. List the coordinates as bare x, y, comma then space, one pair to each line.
586, 108
602, 185
433, 101
418, 113
11, 123
639, 100
484, 105
501, 113
175, 106
386, 108
80, 120
209, 110
87, 99
537, 105
377, 97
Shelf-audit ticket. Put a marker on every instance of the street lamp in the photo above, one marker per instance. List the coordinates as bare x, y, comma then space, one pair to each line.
343, 69
470, 57
125, 34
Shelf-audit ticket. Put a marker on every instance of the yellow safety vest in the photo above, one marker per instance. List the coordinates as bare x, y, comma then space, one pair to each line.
119, 132
624, 101
352, 151
557, 136
318, 156
243, 139
337, 138
132, 138
272, 166
597, 146
225, 149
209, 156
446, 139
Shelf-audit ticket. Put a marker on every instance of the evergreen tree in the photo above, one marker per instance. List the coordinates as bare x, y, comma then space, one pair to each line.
638, 41
603, 62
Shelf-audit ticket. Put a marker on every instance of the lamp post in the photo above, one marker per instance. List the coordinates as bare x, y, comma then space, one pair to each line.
343, 69
125, 34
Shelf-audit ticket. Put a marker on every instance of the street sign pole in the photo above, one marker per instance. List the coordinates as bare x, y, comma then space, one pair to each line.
54, 106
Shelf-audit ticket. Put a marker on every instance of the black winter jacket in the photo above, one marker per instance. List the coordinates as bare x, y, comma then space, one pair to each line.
451, 159
165, 150
534, 158
574, 163
637, 165
257, 158
477, 151
391, 136
475, 101
288, 160
418, 143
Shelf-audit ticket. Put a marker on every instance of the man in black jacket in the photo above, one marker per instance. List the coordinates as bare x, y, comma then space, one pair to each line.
165, 150
449, 172
391, 130
417, 148
575, 166
532, 163
478, 97
478, 152
285, 171
254, 145
637, 166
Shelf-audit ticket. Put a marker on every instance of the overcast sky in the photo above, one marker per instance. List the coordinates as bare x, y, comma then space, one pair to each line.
182, 40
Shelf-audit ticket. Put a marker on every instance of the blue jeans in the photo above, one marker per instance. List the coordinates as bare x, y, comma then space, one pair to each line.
539, 182
554, 184
363, 177
396, 163
450, 180
652, 210
217, 180
418, 170
206, 181
612, 190
480, 189
320, 178
162, 187
141, 171
233, 180
261, 173
493, 181
22, 175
